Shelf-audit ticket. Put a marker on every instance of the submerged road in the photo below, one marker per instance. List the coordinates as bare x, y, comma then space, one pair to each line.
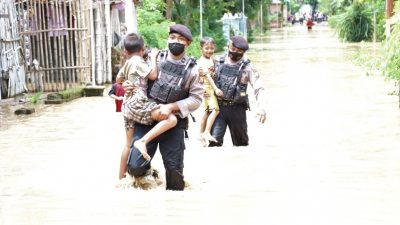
328, 154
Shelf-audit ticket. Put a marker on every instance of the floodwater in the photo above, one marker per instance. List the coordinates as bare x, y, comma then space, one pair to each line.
328, 154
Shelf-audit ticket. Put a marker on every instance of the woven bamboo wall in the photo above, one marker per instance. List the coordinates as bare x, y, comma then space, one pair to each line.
12, 74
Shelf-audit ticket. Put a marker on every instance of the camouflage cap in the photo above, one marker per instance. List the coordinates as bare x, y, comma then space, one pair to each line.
240, 42
182, 30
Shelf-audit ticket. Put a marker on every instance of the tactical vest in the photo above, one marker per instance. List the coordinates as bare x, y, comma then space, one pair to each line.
169, 85
228, 79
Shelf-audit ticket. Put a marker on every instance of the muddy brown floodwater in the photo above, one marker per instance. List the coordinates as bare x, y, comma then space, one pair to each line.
328, 154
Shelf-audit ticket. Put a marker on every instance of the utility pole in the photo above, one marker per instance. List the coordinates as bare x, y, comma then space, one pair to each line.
243, 8
201, 19
261, 18
374, 7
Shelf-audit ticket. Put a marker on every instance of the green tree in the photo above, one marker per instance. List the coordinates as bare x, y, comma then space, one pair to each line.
151, 23
313, 3
293, 6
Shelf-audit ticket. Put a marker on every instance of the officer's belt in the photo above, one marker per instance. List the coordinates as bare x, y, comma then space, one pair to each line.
226, 103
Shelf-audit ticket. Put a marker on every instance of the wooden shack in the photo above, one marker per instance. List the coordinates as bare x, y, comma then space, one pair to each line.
53, 45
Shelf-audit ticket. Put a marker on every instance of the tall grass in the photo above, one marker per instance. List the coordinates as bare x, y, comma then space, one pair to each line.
355, 24
391, 65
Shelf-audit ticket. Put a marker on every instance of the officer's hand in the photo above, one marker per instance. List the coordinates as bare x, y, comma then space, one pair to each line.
206, 95
211, 70
201, 72
154, 53
218, 92
128, 86
164, 112
261, 115
128, 93
146, 156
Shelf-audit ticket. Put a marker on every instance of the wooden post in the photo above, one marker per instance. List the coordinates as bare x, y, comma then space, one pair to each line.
40, 21
60, 42
389, 9
70, 40
80, 43
44, 60
65, 38
108, 41
99, 44
53, 44
49, 58
92, 43
389, 14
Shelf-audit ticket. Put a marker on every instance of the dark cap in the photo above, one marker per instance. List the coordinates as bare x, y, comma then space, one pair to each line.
182, 30
240, 42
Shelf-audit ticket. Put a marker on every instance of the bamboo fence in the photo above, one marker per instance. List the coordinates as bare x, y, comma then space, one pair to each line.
51, 41
57, 38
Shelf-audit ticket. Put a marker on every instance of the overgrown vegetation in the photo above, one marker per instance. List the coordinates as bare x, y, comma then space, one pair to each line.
153, 25
391, 59
391, 65
36, 97
72, 93
355, 24
370, 59
386, 58
354, 20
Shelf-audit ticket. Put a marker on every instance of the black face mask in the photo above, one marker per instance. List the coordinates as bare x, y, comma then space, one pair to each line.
235, 56
176, 48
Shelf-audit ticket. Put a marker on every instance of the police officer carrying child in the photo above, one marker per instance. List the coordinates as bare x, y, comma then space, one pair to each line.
177, 90
233, 75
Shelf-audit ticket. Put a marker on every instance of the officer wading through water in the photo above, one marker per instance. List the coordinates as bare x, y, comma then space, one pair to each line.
177, 90
233, 75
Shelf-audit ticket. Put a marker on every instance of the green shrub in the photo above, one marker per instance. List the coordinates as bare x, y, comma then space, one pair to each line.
392, 54
391, 50
355, 24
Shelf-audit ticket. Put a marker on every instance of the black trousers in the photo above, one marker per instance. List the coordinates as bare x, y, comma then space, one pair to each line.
234, 117
171, 145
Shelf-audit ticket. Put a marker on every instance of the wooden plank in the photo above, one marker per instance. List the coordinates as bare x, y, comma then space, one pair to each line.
48, 62
63, 68
60, 46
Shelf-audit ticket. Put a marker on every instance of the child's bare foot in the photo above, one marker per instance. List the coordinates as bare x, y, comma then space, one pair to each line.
204, 142
141, 146
208, 137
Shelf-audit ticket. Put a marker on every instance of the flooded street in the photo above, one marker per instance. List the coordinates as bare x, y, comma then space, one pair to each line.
329, 153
